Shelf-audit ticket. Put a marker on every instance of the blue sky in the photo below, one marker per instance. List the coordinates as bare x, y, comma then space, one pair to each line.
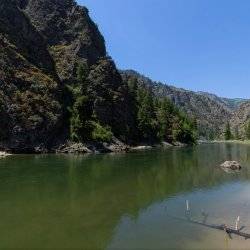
195, 44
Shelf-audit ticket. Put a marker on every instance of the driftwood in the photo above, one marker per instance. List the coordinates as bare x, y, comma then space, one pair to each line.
223, 227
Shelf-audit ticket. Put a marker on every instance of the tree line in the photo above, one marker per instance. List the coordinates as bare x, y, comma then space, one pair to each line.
102, 104
235, 135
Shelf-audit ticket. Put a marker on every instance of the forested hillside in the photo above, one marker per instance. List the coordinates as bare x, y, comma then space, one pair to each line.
58, 85
211, 112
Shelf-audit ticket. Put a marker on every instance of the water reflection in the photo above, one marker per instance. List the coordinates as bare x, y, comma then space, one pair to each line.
117, 201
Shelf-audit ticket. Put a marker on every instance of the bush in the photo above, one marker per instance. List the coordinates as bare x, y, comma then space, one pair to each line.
80, 126
101, 133
185, 133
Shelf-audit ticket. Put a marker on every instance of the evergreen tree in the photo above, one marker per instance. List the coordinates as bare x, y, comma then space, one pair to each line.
82, 74
183, 131
80, 122
236, 134
133, 104
211, 135
104, 104
228, 134
164, 117
82, 108
146, 116
248, 131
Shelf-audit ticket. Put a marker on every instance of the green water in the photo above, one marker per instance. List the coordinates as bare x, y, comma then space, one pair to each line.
124, 201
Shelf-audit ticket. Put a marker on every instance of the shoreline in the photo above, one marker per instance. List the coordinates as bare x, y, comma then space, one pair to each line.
245, 142
92, 148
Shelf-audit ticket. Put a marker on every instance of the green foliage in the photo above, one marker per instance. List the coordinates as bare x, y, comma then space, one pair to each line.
4, 121
228, 134
80, 125
237, 134
132, 127
82, 74
158, 119
103, 105
165, 115
185, 132
211, 135
101, 133
248, 131
147, 123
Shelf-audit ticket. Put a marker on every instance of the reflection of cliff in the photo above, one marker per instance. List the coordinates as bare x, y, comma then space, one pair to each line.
79, 201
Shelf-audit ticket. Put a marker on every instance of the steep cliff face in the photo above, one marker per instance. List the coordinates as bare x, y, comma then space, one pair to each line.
29, 87
110, 103
70, 34
42, 43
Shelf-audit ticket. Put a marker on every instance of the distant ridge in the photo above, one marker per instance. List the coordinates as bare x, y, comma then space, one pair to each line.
212, 112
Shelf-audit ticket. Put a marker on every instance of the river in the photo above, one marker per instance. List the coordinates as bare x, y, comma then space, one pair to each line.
124, 201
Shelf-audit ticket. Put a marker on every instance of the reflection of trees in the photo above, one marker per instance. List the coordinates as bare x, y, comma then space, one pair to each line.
80, 199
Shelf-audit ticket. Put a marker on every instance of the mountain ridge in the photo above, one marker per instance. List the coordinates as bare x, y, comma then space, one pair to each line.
57, 84
212, 112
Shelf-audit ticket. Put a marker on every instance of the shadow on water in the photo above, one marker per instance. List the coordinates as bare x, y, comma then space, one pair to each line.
78, 201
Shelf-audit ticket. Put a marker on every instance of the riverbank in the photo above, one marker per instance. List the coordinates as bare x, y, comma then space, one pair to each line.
69, 147
115, 146
245, 142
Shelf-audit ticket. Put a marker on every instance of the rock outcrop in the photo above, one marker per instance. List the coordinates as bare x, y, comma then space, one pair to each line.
42, 42
30, 89
70, 34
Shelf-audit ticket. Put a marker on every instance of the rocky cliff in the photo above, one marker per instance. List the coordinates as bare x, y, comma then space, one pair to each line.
42, 43
30, 89
71, 36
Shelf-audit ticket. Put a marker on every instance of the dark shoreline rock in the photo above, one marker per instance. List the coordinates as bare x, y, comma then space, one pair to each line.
115, 146
69, 147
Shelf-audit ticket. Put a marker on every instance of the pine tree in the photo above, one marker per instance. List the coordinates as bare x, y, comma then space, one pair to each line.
82, 74
80, 122
133, 132
228, 134
236, 133
146, 115
164, 116
248, 131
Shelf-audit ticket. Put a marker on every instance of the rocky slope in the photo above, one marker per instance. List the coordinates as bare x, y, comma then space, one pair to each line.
28, 83
42, 43
212, 112
70, 34
231, 104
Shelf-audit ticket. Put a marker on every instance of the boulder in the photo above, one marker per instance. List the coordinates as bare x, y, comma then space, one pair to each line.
233, 165
73, 148
139, 148
3, 154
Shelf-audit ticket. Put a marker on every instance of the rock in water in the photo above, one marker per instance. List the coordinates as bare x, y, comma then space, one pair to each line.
233, 165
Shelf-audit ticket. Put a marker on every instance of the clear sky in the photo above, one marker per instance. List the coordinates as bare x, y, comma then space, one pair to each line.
195, 44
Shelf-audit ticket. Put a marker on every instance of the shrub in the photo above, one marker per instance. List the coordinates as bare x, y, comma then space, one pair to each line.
101, 133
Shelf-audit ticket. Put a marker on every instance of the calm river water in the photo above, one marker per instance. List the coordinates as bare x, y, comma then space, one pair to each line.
124, 201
